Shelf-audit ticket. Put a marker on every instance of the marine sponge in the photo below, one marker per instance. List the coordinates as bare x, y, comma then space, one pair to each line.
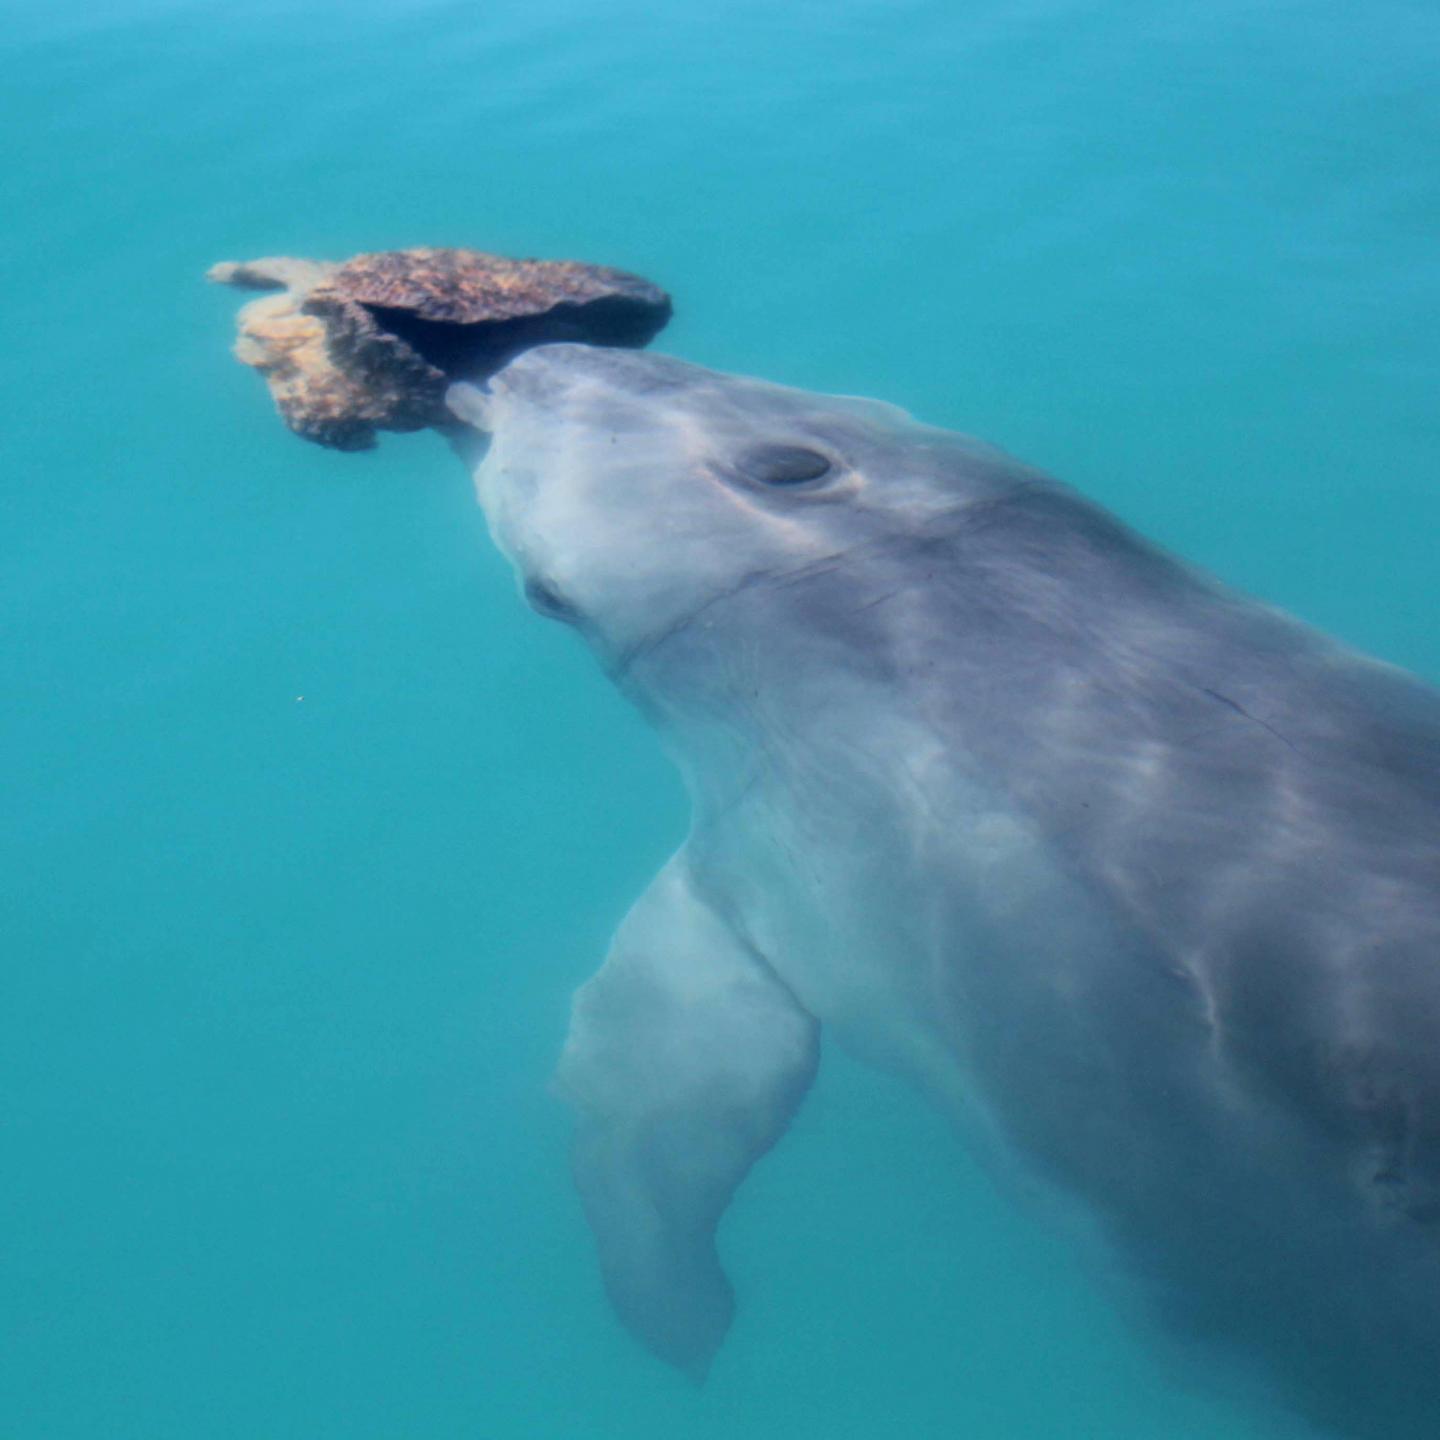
371, 344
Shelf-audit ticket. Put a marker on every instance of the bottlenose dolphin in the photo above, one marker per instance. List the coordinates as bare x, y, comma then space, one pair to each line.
1137, 877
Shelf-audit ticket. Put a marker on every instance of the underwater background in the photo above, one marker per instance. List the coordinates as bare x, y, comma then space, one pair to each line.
310, 828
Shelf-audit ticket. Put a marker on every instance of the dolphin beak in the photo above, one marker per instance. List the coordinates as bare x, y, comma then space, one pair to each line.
472, 404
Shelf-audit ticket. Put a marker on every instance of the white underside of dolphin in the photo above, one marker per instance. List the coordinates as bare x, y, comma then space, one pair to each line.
1139, 879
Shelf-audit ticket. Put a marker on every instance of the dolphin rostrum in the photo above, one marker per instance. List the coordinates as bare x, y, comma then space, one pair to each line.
1138, 878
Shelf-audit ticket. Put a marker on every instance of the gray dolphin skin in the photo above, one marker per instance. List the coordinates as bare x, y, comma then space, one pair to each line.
1137, 878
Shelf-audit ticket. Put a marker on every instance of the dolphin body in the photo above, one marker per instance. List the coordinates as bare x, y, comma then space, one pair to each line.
1137, 877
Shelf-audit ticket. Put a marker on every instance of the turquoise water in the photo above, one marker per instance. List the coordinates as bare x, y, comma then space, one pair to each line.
284, 977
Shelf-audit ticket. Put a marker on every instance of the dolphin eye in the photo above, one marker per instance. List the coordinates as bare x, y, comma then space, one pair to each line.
782, 465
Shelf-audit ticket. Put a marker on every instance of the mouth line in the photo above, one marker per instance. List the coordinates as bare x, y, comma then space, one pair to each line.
546, 600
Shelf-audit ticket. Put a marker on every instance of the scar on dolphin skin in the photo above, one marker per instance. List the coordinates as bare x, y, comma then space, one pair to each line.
994, 839
1241, 710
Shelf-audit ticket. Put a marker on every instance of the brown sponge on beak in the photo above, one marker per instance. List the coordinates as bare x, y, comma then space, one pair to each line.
373, 343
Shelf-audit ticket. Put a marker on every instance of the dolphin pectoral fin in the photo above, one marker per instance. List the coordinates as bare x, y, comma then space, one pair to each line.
685, 1060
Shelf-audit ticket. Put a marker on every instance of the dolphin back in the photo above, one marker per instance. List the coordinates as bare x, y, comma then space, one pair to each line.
1257, 809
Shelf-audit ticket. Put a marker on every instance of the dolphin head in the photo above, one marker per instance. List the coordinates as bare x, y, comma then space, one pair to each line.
636, 493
